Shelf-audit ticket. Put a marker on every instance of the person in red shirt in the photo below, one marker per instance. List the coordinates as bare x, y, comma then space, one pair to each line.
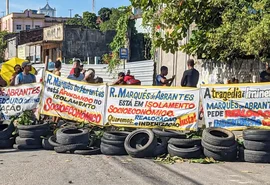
76, 64
128, 76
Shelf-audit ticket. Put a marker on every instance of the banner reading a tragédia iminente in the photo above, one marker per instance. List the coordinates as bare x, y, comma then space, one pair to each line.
236, 106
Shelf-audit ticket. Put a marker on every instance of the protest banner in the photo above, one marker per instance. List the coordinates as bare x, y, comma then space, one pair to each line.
15, 100
152, 107
236, 106
73, 100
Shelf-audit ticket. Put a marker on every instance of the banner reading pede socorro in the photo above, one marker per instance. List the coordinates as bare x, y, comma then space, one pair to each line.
152, 107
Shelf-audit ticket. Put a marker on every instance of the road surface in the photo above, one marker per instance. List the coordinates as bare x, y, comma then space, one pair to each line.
48, 168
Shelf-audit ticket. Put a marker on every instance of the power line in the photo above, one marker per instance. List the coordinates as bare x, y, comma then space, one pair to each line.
70, 12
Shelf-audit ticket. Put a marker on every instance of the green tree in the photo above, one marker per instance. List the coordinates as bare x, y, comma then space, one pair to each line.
221, 30
3, 45
90, 20
111, 24
76, 20
104, 14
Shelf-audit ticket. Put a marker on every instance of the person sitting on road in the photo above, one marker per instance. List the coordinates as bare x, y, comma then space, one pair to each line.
25, 77
90, 77
17, 70
78, 76
120, 80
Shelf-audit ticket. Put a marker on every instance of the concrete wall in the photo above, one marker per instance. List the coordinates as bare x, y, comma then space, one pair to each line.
11, 50
81, 43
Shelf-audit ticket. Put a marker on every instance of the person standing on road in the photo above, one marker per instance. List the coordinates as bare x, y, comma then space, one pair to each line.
17, 70
191, 76
25, 77
161, 79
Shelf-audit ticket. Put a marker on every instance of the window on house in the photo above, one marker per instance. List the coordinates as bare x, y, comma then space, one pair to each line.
37, 26
19, 27
27, 27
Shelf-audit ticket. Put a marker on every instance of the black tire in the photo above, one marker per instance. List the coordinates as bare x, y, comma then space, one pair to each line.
69, 136
112, 142
27, 147
256, 135
257, 145
218, 136
112, 150
214, 148
45, 126
185, 142
257, 156
6, 130
52, 141
221, 156
145, 138
6, 143
28, 141
46, 145
187, 153
168, 133
88, 151
162, 144
70, 148
116, 135
32, 133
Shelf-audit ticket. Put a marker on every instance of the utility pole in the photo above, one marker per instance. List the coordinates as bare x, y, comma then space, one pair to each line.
70, 12
93, 6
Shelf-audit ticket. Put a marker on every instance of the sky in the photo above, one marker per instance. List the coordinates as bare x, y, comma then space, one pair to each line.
62, 6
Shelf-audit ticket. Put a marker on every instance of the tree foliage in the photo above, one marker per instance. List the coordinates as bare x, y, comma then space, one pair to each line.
88, 20
111, 24
3, 45
104, 14
220, 29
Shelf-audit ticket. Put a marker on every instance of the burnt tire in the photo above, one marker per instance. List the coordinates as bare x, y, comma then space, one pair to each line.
162, 144
188, 152
33, 133
28, 141
221, 156
116, 135
257, 145
6, 129
185, 142
112, 150
112, 142
218, 136
143, 137
256, 156
215, 148
6, 143
45, 126
88, 151
27, 147
46, 145
168, 133
70, 148
256, 135
52, 141
69, 136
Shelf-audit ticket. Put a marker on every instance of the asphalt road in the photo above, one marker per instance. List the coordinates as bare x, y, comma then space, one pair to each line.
48, 168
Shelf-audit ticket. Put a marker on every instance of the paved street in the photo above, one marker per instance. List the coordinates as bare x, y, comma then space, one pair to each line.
47, 167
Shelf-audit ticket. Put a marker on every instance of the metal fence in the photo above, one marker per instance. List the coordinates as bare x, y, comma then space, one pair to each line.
142, 70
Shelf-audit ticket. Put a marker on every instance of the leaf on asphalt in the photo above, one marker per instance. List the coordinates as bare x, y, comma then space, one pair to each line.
167, 159
207, 160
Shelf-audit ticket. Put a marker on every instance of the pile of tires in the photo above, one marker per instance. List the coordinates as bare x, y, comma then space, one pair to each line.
219, 144
174, 143
30, 136
112, 143
256, 146
6, 130
72, 140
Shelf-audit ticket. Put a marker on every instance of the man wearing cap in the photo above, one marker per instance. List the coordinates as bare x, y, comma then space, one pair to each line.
25, 77
190, 76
